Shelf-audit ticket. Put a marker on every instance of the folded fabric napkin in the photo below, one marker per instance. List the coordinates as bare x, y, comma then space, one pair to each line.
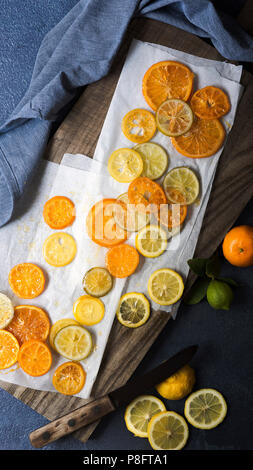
78, 51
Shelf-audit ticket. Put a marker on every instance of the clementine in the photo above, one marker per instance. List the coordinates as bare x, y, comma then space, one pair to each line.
238, 246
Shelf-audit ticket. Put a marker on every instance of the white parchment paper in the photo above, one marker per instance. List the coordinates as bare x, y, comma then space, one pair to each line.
86, 181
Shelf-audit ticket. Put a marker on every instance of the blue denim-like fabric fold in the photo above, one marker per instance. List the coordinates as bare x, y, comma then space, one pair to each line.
78, 51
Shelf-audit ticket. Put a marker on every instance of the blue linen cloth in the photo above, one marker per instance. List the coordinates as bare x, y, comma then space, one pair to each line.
79, 50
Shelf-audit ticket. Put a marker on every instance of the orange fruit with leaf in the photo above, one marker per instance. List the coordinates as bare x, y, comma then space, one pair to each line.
238, 246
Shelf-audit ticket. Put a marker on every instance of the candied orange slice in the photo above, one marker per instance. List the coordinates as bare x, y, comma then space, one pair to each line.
166, 79
204, 139
35, 358
210, 103
69, 378
138, 125
146, 194
174, 117
59, 212
172, 215
122, 260
29, 322
27, 280
9, 349
101, 225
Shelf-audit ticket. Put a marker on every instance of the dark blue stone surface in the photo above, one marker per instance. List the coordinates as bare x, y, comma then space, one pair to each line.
224, 360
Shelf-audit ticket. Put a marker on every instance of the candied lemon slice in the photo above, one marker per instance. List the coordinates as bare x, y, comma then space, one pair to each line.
155, 159
88, 310
181, 185
174, 117
125, 165
140, 411
97, 282
138, 125
59, 249
205, 408
151, 241
131, 220
167, 430
73, 342
57, 326
133, 310
165, 286
6, 311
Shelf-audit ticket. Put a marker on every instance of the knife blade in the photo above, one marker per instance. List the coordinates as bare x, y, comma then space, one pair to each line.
104, 405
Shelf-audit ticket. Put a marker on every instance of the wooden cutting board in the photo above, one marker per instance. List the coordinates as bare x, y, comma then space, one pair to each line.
232, 189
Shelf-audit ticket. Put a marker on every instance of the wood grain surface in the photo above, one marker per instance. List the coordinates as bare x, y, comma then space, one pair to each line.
232, 189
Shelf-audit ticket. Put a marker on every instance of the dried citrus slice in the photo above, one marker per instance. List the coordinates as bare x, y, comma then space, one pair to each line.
122, 260
35, 358
125, 165
101, 225
27, 280
57, 326
133, 310
165, 286
205, 408
6, 310
151, 241
9, 349
130, 218
172, 216
88, 310
73, 342
140, 411
147, 194
210, 103
69, 378
181, 185
204, 139
138, 125
174, 117
166, 79
155, 159
167, 430
59, 249
29, 322
97, 282
59, 212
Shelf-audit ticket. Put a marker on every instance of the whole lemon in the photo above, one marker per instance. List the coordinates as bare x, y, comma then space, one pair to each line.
178, 385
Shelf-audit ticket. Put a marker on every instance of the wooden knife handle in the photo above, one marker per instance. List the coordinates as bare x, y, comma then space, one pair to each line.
72, 421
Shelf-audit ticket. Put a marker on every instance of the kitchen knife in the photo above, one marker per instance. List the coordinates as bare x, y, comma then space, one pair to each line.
104, 405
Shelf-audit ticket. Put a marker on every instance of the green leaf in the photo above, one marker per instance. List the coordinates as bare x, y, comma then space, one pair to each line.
197, 292
198, 266
213, 266
229, 281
